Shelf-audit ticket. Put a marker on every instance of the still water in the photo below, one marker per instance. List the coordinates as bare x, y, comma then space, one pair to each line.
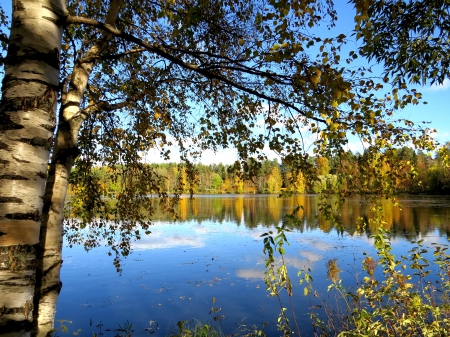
215, 250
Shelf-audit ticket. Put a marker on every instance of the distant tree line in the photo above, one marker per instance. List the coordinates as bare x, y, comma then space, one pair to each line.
417, 172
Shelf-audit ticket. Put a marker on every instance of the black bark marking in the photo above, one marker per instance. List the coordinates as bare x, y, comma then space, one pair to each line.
10, 82
70, 103
4, 200
13, 177
51, 58
21, 160
35, 216
14, 48
47, 127
56, 10
17, 24
55, 287
7, 124
25, 310
57, 22
54, 209
18, 6
15, 327
38, 141
56, 265
4, 146
44, 102
4, 162
42, 175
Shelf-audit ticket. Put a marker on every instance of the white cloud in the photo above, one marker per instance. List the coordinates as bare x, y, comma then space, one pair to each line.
224, 156
440, 87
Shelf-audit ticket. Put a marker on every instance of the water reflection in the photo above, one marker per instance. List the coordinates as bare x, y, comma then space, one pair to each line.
215, 250
418, 214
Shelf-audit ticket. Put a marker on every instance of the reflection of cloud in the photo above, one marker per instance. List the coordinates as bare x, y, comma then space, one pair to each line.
204, 230
298, 263
256, 233
293, 263
156, 240
322, 246
311, 256
252, 273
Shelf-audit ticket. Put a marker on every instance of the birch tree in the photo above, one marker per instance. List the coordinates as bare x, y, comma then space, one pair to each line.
30, 90
119, 78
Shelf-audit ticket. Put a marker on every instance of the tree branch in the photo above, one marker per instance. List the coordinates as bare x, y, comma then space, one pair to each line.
157, 49
104, 106
115, 56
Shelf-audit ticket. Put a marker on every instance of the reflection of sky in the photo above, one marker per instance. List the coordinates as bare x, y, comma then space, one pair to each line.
164, 237
174, 272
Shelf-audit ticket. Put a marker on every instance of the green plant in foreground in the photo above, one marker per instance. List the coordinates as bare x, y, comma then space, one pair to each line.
276, 274
403, 304
194, 328
406, 296
411, 298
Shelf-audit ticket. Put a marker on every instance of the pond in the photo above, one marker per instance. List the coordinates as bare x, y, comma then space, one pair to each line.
215, 250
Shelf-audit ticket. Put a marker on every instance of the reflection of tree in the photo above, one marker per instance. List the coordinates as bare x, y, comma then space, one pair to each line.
415, 218
239, 209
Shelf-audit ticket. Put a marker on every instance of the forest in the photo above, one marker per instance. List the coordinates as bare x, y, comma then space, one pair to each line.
419, 173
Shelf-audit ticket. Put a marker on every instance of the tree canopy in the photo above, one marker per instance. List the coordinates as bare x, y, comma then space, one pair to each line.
253, 75
411, 38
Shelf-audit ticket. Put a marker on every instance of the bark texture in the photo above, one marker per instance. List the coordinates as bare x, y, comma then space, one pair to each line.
27, 120
65, 151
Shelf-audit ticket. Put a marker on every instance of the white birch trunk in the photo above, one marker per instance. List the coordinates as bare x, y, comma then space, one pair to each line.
65, 150
27, 119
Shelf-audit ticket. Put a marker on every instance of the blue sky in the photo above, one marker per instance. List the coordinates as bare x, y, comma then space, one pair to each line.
435, 111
